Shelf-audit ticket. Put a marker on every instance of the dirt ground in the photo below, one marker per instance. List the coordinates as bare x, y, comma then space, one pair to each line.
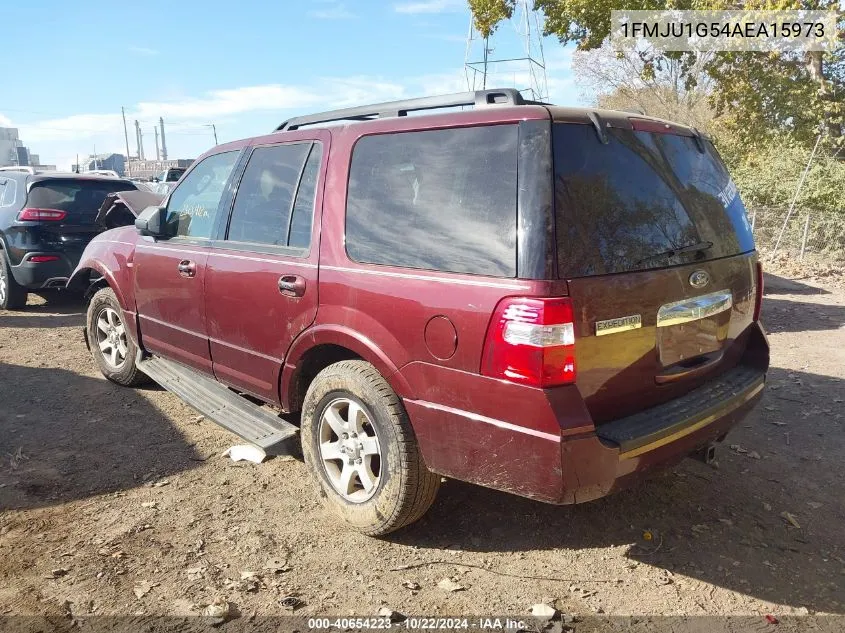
118, 502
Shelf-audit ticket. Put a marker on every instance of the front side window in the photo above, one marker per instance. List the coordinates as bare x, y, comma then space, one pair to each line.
438, 200
194, 205
262, 209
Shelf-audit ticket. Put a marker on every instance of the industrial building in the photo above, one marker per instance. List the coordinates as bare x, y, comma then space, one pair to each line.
114, 162
14, 152
148, 168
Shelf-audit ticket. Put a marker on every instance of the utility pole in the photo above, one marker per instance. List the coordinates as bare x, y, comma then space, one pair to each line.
214, 130
138, 139
481, 65
126, 138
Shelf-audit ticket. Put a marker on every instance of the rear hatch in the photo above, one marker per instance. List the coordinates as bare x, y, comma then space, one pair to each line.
655, 245
79, 200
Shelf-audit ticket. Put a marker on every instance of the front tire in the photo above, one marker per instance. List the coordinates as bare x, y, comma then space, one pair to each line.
12, 295
358, 443
110, 344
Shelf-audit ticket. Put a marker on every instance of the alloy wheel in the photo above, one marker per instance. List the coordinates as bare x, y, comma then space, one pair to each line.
350, 449
4, 283
111, 338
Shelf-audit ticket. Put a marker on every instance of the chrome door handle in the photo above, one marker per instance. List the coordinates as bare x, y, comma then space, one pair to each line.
694, 309
187, 268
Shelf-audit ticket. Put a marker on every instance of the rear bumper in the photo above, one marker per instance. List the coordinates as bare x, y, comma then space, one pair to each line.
648, 430
595, 466
562, 457
41, 275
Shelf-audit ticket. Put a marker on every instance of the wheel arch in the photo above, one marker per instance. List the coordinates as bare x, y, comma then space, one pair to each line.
321, 346
92, 275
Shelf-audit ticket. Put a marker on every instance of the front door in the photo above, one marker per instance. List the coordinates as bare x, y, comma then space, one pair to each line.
170, 273
261, 281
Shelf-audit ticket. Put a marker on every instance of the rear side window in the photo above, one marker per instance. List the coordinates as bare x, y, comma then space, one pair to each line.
262, 209
80, 199
437, 200
7, 192
303, 208
174, 174
632, 203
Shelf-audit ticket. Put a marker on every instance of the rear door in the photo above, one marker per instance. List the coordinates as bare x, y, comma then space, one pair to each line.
657, 251
261, 281
170, 273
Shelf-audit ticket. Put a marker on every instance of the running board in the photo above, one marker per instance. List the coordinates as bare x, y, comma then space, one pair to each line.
218, 403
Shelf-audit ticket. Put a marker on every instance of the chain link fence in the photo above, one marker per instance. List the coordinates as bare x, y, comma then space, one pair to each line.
804, 234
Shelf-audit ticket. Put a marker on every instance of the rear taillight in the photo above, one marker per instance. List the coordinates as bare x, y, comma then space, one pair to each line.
531, 341
758, 293
40, 259
42, 215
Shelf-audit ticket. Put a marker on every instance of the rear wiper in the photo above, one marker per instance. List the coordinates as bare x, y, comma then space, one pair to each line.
698, 246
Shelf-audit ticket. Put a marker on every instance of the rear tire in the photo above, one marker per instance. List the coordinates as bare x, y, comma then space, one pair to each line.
110, 343
374, 479
12, 295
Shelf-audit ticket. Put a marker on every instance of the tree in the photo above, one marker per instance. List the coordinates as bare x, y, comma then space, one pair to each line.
487, 14
676, 88
756, 95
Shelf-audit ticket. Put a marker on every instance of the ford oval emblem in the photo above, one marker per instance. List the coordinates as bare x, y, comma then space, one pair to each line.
699, 279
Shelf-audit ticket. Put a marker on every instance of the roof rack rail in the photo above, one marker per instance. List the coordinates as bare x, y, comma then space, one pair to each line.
22, 168
477, 98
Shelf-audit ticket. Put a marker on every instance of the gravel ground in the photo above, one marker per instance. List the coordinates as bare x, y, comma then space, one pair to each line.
118, 502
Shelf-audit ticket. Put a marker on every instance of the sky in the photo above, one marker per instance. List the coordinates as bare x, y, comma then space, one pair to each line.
243, 66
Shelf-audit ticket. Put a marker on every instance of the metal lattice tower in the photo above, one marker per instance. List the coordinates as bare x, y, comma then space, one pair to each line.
512, 56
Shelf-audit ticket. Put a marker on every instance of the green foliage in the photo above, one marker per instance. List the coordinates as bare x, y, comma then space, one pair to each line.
768, 176
757, 97
487, 14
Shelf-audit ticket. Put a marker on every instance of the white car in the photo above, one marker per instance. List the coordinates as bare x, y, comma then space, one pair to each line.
166, 180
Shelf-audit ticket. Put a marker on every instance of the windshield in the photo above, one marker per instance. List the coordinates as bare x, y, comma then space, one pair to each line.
643, 200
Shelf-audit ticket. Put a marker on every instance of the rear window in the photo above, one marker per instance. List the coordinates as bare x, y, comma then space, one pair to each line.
81, 199
632, 203
438, 200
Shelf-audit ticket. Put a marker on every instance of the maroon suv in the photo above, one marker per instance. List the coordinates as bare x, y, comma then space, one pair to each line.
547, 301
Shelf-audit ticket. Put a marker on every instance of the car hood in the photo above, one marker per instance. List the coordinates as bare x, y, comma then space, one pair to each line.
121, 208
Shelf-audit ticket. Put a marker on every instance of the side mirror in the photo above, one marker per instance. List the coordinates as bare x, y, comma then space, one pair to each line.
155, 179
151, 222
